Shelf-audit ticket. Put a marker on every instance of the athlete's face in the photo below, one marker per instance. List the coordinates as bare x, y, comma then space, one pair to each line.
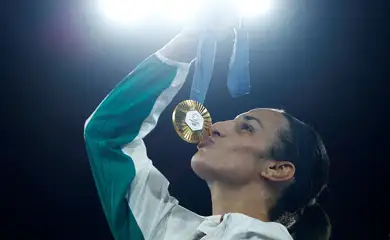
234, 151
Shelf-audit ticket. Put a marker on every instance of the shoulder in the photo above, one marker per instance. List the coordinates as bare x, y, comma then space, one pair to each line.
251, 227
181, 223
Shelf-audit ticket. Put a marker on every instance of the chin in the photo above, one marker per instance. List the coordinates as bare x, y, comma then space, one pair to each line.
201, 166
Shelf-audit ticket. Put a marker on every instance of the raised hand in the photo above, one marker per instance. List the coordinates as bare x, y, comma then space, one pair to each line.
218, 17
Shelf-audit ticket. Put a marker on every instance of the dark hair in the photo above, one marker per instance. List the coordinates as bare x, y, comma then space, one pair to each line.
296, 208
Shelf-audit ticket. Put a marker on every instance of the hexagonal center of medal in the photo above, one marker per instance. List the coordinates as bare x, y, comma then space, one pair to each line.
194, 120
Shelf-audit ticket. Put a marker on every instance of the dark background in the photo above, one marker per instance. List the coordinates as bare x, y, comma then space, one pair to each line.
327, 64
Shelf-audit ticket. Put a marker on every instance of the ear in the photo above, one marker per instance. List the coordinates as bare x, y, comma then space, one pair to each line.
278, 171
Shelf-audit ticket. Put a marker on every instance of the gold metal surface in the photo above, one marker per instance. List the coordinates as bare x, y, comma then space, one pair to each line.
191, 133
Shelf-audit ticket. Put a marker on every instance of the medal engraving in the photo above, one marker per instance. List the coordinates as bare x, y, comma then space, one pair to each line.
194, 120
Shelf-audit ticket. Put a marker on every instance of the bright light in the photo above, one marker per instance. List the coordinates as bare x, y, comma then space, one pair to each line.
130, 11
124, 11
250, 8
177, 10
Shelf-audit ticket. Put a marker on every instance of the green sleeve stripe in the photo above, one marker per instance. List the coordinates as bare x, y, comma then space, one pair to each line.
116, 122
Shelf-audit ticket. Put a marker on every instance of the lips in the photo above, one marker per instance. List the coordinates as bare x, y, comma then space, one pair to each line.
206, 142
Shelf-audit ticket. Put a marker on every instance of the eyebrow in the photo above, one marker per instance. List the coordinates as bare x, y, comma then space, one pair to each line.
249, 118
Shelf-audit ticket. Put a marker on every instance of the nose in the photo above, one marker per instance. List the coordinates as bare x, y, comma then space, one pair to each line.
220, 129
215, 132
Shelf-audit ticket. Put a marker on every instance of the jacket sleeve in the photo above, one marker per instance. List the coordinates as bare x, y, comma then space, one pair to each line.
133, 193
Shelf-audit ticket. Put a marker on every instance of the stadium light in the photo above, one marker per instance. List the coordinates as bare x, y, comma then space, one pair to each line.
131, 11
177, 10
124, 11
252, 8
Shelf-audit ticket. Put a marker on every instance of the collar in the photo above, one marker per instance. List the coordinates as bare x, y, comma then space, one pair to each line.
209, 224
270, 230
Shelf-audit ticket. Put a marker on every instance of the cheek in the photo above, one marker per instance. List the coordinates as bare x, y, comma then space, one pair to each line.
250, 147
234, 161
246, 149
242, 157
238, 170
239, 162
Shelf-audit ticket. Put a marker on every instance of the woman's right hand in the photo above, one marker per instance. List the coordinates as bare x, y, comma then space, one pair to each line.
215, 16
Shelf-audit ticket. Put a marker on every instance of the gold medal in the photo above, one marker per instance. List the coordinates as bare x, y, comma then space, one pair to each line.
191, 121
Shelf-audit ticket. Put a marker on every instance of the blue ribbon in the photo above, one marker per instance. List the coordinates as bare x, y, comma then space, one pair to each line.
238, 81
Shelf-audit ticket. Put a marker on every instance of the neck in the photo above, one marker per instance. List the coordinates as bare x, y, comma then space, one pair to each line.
249, 200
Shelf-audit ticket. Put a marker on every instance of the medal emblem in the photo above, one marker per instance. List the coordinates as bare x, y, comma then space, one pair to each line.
191, 121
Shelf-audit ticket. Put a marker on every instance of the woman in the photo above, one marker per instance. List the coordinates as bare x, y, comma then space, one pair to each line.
264, 168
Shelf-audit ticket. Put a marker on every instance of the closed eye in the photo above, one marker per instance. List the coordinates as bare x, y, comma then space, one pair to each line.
247, 127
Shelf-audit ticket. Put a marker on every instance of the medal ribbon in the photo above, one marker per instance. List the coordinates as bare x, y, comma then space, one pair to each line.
238, 81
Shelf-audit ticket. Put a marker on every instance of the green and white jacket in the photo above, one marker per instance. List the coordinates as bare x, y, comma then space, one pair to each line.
133, 193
